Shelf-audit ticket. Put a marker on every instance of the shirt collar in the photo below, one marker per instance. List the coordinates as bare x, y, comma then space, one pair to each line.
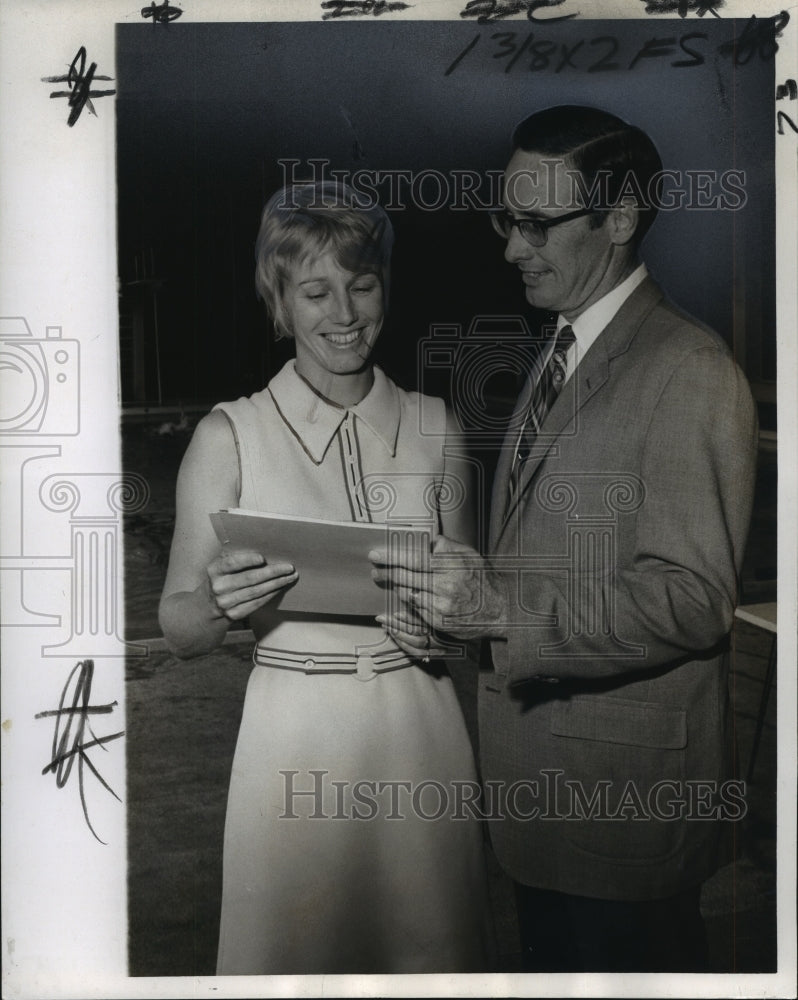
314, 422
589, 324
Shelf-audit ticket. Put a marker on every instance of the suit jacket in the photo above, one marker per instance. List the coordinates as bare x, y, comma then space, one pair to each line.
605, 730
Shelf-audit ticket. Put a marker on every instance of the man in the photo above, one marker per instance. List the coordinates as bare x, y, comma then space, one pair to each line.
620, 509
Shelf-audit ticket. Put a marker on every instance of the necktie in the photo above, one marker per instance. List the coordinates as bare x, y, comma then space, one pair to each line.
546, 390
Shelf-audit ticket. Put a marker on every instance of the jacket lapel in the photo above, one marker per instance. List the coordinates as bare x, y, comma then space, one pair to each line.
501, 478
591, 375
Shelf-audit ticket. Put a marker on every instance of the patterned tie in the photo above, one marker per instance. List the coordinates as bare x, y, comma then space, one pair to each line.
546, 390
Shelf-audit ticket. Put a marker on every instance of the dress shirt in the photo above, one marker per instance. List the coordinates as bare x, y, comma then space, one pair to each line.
589, 324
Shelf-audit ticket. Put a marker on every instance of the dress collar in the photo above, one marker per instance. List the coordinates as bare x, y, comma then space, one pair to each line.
314, 421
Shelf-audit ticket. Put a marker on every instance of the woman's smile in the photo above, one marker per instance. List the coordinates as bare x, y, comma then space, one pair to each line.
343, 339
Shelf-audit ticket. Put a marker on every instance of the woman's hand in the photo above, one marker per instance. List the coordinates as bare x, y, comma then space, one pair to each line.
240, 582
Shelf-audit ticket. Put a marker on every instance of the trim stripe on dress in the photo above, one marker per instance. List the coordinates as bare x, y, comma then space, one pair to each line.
353, 474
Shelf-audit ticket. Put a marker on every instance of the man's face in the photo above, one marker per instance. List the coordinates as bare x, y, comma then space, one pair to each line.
578, 264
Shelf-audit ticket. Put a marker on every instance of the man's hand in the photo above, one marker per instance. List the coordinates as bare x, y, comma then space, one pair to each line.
454, 592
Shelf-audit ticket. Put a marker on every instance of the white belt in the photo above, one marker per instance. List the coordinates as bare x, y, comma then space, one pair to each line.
365, 666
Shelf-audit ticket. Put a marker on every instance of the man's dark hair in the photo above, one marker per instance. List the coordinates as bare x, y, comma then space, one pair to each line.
613, 158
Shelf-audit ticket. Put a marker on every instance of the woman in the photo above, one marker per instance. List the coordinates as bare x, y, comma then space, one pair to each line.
339, 723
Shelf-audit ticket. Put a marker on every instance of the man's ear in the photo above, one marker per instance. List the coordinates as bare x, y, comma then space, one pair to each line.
622, 222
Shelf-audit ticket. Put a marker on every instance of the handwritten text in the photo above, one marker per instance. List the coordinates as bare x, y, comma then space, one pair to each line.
79, 81
69, 743
532, 52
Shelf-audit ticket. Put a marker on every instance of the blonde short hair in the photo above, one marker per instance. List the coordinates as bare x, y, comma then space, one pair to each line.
304, 220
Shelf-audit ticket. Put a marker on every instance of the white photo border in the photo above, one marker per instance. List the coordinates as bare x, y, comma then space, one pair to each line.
64, 892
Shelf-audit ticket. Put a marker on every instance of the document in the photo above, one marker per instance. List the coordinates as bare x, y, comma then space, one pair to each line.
331, 557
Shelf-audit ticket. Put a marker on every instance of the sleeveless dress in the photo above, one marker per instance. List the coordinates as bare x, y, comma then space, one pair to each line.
349, 843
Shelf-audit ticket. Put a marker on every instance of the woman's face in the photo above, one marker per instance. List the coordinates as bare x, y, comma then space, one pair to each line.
335, 316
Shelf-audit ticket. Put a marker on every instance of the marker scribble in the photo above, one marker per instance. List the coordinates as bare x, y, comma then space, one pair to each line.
789, 89
79, 82
71, 722
684, 7
489, 11
360, 8
759, 37
163, 14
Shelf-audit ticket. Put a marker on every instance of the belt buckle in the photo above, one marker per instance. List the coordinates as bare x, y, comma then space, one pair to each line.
364, 670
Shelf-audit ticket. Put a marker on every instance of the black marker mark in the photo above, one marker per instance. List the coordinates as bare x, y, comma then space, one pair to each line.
653, 48
453, 66
782, 117
788, 89
490, 11
79, 82
696, 58
70, 722
163, 14
358, 154
604, 65
361, 8
507, 43
567, 54
758, 37
541, 55
723, 96
683, 7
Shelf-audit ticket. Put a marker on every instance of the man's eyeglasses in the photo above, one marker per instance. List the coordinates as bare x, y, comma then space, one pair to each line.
534, 231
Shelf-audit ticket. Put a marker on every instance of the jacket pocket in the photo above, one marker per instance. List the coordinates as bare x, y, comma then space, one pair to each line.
622, 781
616, 720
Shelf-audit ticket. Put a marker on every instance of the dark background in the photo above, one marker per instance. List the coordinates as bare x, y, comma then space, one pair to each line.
205, 111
